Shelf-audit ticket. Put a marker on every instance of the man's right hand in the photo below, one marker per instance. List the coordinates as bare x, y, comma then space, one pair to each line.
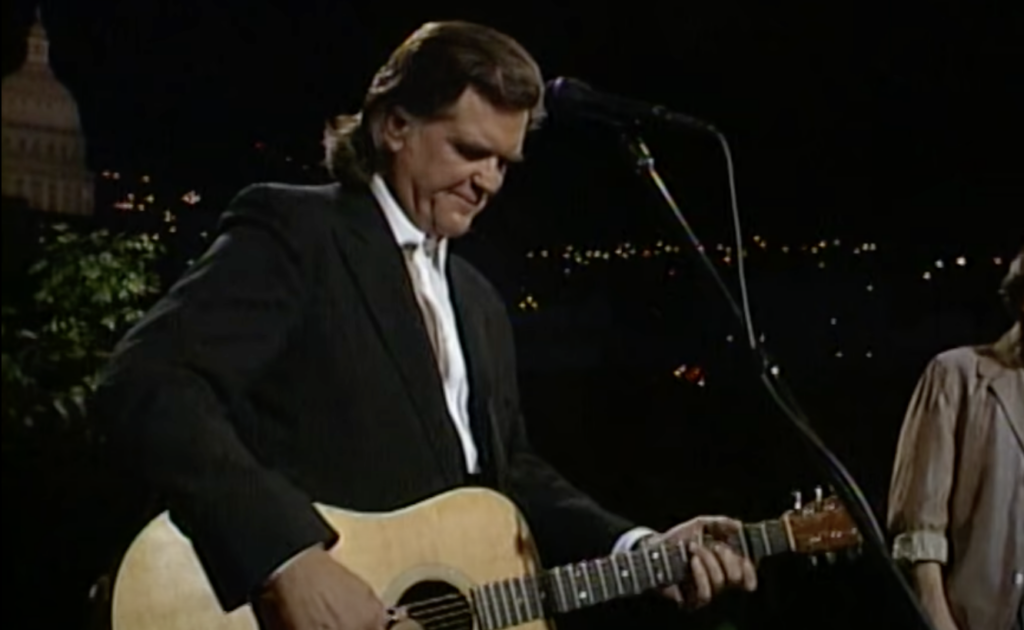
314, 592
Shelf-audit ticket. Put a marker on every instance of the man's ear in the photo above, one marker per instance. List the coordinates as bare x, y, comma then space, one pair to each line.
394, 129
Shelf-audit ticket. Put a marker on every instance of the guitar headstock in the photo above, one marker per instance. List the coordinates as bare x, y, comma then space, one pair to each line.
821, 526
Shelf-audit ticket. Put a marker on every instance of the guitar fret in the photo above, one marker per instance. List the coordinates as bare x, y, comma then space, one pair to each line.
780, 537
562, 600
572, 587
684, 559
589, 594
753, 554
678, 570
547, 599
617, 573
648, 568
613, 586
788, 529
632, 570
538, 597
756, 541
764, 537
605, 594
504, 604
526, 599
520, 603
684, 562
600, 582
492, 594
480, 607
742, 543
667, 577
514, 603
508, 601
491, 607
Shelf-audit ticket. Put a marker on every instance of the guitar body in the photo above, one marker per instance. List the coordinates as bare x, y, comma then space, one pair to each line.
441, 547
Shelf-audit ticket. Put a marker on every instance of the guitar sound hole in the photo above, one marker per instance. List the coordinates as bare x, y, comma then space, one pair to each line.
436, 606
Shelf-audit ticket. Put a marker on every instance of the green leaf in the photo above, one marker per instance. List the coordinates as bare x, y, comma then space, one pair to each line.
62, 410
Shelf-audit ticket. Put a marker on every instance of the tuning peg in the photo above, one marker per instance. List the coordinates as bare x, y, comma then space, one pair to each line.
818, 494
830, 557
797, 500
814, 561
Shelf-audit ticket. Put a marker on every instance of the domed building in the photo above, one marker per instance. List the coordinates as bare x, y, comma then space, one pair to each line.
43, 145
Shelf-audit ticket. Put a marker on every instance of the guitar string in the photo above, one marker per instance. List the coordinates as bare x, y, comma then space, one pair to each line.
455, 623
449, 620
435, 600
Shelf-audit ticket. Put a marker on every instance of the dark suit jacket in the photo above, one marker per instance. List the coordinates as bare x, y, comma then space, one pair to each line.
290, 364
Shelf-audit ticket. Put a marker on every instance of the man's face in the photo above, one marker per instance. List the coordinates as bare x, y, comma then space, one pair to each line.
444, 171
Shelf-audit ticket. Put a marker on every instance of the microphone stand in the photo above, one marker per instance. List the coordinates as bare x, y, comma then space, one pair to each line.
845, 486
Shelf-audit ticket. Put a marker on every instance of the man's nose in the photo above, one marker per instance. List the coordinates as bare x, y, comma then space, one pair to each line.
489, 178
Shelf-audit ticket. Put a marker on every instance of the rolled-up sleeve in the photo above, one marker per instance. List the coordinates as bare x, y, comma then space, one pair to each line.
922, 477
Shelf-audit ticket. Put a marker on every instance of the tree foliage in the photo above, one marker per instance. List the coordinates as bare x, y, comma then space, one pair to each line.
87, 289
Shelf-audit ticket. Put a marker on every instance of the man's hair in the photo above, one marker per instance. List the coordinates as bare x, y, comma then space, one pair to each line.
424, 77
1012, 287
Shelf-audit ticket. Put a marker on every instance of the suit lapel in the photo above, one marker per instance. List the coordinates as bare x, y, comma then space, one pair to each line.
376, 263
473, 335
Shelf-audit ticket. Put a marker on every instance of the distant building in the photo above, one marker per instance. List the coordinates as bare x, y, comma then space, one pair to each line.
43, 145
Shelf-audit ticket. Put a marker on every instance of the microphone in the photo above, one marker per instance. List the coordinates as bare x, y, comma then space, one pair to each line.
566, 96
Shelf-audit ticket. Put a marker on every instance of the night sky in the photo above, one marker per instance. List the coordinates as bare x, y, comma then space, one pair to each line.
892, 121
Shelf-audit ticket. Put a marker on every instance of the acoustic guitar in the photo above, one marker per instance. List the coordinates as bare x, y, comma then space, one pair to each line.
462, 560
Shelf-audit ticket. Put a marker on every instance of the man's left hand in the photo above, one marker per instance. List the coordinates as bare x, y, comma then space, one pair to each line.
714, 566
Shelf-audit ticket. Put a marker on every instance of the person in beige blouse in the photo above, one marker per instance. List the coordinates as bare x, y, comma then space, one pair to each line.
956, 501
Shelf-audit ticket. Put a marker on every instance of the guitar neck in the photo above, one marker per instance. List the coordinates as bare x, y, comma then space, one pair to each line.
571, 587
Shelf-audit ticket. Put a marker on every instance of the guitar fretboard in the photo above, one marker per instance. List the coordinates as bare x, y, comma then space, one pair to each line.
571, 587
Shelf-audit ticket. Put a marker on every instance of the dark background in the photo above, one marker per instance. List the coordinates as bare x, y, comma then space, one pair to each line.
888, 124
